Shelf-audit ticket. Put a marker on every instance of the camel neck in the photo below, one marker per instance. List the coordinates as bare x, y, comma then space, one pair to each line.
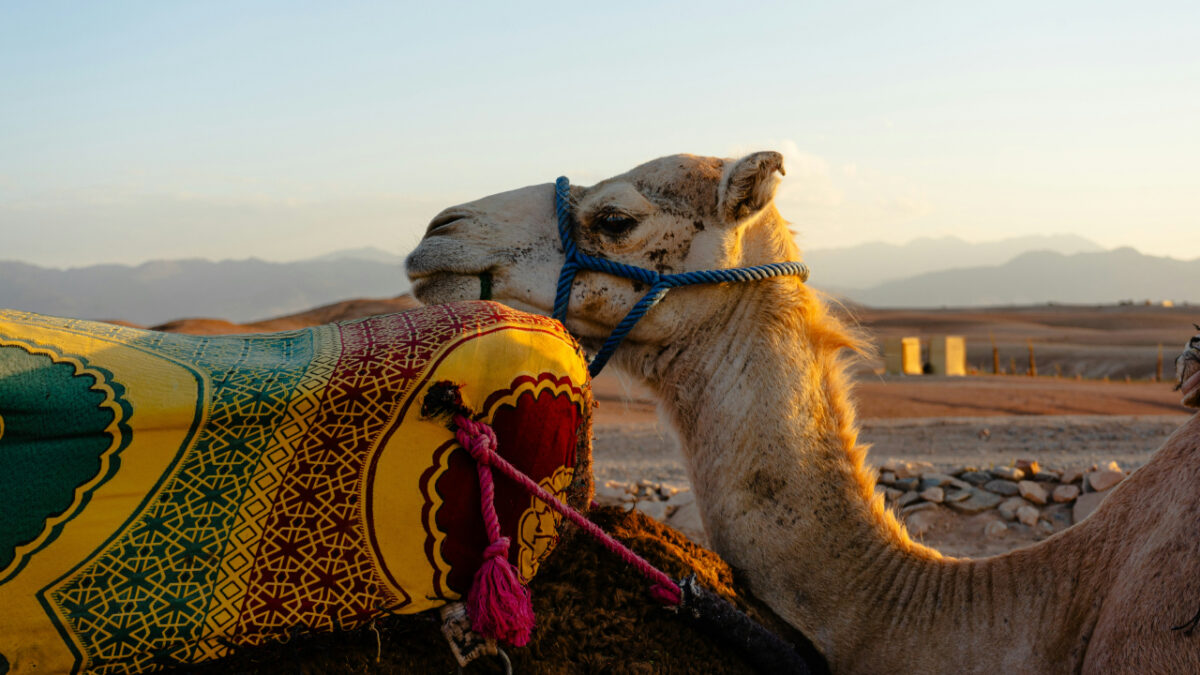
769, 437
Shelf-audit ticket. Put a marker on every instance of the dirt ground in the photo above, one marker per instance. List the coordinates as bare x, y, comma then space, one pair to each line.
943, 420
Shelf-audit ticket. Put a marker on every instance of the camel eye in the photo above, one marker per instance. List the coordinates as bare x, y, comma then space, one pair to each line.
614, 224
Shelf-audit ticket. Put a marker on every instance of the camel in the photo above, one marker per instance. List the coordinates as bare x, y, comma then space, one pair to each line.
751, 377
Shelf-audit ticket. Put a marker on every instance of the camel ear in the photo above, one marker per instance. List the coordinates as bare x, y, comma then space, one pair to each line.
749, 184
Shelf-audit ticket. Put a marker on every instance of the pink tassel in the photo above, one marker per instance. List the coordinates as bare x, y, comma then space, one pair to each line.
498, 604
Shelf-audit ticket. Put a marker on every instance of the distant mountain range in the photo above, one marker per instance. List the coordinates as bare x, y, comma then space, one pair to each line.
1039, 277
946, 272
872, 264
237, 290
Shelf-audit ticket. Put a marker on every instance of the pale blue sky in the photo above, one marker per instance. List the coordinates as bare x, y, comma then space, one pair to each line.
139, 130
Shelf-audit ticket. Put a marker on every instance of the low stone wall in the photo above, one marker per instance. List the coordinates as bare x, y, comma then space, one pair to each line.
1031, 500
1025, 493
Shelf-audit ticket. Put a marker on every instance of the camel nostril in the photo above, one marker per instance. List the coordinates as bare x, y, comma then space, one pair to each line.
443, 220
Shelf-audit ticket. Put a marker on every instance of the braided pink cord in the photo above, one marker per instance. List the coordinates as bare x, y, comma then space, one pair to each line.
479, 439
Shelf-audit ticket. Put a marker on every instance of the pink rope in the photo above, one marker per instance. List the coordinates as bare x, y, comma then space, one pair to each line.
498, 603
479, 439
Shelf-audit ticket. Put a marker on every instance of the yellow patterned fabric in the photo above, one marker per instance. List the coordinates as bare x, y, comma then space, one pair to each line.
164, 498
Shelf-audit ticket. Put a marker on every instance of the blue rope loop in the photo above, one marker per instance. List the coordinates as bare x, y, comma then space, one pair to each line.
659, 283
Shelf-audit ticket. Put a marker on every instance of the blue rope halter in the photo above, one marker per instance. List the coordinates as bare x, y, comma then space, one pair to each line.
659, 283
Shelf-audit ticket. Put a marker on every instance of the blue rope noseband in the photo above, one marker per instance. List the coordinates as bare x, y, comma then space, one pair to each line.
659, 283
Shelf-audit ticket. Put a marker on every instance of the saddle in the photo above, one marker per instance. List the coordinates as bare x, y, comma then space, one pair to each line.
167, 498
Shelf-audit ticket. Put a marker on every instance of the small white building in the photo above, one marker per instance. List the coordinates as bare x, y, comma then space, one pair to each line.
948, 355
902, 356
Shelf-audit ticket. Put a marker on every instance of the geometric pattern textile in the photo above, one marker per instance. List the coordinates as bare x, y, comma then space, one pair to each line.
164, 498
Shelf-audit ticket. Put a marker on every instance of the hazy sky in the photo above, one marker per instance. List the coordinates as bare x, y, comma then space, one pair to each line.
139, 130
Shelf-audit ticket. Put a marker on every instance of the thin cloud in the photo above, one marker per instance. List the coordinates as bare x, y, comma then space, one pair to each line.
832, 203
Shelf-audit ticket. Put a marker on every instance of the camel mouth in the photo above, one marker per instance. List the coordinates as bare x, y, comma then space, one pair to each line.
439, 288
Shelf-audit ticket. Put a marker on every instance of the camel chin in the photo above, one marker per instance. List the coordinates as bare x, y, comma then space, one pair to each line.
441, 288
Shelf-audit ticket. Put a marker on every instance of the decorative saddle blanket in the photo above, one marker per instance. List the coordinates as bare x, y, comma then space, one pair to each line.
166, 497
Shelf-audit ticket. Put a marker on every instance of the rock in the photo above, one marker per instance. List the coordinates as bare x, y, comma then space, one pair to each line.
1029, 466
975, 478
1064, 494
933, 494
919, 506
1028, 515
893, 494
653, 508
921, 522
1085, 504
1007, 473
907, 484
686, 519
904, 469
995, 529
1001, 487
958, 495
929, 480
685, 496
1058, 515
1032, 491
1047, 476
1105, 479
668, 490
611, 493
942, 480
1071, 475
907, 498
1008, 508
647, 489
922, 467
887, 477
1045, 527
979, 501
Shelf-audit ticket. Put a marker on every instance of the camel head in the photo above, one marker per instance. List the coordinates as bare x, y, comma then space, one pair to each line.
1187, 372
673, 214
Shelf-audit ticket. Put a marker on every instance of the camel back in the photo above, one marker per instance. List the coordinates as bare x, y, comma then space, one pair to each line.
164, 498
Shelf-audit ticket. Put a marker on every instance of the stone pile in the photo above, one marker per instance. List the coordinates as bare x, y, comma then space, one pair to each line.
670, 503
1024, 494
